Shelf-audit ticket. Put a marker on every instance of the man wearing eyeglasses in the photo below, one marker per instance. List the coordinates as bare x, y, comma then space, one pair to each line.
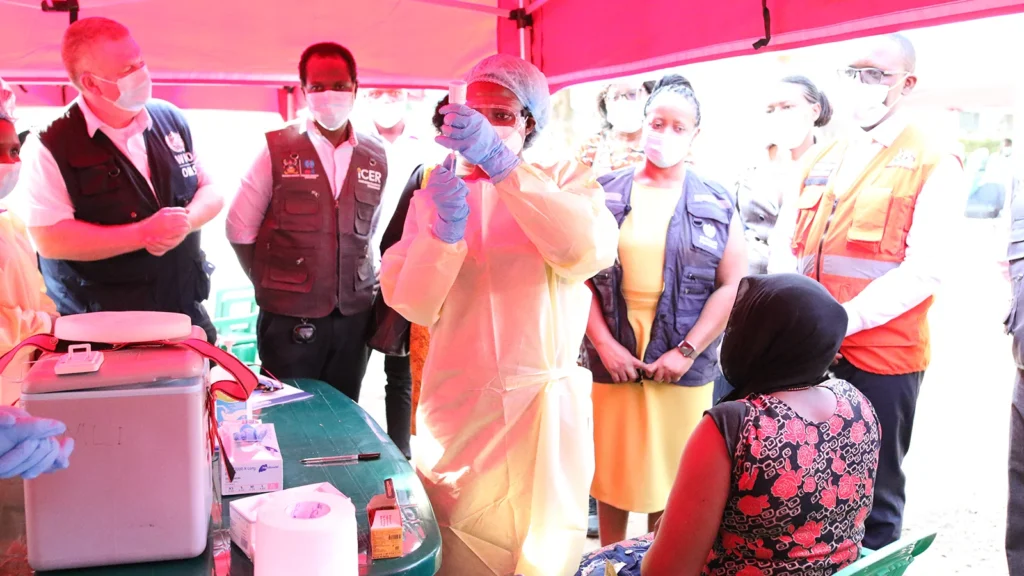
872, 223
301, 225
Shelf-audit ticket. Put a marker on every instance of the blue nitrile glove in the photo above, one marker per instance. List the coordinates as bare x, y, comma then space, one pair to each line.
27, 446
468, 132
448, 192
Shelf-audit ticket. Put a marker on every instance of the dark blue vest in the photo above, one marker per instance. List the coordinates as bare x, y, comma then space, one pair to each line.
696, 239
1015, 254
106, 189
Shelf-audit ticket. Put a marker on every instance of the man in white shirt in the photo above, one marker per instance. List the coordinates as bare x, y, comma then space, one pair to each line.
302, 226
114, 197
387, 113
872, 223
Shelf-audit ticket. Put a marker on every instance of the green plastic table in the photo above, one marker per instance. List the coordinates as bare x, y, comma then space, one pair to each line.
326, 425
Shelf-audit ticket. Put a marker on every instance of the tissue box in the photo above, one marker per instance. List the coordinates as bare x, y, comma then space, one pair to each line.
244, 512
252, 449
386, 534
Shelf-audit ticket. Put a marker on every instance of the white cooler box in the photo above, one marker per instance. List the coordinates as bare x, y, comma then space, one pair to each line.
139, 486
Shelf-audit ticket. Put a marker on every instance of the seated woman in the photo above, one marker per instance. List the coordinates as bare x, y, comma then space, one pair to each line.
778, 478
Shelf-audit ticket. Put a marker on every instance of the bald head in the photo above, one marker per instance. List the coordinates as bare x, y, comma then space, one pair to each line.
84, 41
905, 49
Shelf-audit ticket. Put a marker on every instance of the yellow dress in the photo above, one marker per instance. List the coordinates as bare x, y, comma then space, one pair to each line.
640, 429
25, 309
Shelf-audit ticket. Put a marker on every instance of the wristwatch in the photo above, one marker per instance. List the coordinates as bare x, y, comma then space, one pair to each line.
687, 349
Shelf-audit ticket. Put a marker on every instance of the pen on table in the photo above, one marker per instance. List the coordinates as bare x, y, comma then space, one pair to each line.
345, 458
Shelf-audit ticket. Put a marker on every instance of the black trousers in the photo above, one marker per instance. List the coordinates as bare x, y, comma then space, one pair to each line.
895, 401
338, 355
1015, 506
398, 401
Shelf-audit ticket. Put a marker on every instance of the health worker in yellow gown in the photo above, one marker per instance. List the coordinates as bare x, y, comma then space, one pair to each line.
495, 262
29, 446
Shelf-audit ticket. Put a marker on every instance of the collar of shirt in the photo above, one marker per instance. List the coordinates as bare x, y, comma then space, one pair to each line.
140, 124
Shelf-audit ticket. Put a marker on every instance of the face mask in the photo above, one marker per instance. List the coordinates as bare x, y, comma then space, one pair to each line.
512, 138
136, 89
665, 151
8, 178
868, 102
388, 114
331, 109
626, 117
787, 129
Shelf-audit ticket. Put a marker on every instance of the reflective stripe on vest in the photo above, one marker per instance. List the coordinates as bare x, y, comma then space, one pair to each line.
847, 267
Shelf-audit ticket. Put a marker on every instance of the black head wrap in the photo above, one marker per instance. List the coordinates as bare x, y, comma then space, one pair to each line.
783, 333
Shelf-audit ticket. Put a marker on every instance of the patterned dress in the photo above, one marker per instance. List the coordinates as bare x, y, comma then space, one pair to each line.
800, 490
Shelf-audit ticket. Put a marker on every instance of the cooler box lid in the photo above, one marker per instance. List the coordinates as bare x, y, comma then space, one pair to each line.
123, 327
128, 369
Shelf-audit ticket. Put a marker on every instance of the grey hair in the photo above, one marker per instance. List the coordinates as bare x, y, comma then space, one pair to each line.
80, 36
907, 51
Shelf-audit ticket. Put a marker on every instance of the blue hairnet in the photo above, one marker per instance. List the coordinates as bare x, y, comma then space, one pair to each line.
525, 80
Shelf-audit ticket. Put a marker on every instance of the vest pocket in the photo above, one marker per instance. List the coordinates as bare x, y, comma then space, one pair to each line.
366, 205
287, 270
709, 228
807, 208
364, 277
299, 211
870, 213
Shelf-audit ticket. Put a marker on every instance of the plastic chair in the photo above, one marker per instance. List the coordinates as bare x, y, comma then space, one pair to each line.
893, 560
235, 302
231, 325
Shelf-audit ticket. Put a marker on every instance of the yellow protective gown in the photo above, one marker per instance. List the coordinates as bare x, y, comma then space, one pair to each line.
25, 309
505, 445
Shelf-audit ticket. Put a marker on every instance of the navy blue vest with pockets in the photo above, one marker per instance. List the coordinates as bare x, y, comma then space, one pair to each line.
106, 189
694, 245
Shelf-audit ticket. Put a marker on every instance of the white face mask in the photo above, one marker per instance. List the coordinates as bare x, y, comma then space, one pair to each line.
666, 150
136, 89
331, 109
512, 138
625, 116
868, 102
8, 178
788, 129
388, 114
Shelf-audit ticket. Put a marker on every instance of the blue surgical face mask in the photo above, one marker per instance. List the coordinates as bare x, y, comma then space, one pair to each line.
136, 89
666, 150
8, 178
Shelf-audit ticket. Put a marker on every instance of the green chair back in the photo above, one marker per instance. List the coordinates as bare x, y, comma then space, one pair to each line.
234, 302
893, 560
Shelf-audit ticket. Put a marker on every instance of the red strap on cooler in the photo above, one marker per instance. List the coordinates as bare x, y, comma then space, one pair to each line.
238, 389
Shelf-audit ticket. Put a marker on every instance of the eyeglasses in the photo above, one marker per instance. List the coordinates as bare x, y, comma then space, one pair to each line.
870, 76
630, 96
499, 115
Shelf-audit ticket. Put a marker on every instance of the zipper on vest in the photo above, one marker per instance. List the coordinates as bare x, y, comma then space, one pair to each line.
821, 243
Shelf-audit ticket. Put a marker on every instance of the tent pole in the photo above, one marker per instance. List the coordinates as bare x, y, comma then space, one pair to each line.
463, 5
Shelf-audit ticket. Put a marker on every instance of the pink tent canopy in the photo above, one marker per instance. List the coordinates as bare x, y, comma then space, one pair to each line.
241, 55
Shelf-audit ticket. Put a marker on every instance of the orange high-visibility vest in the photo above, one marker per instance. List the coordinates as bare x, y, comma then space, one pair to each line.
847, 242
